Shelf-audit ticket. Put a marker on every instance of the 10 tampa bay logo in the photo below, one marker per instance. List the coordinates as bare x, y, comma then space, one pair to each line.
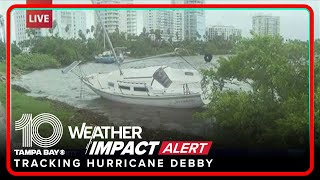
30, 130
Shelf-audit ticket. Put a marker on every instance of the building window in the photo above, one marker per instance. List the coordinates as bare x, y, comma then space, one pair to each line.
143, 89
124, 87
111, 84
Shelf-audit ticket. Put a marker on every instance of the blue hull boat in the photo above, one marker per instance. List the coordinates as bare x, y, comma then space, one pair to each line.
105, 59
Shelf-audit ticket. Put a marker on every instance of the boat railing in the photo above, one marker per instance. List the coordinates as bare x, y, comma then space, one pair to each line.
126, 82
99, 83
186, 89
147, 90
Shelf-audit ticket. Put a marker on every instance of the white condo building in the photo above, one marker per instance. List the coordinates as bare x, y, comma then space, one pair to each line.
177, 24
2, 29
266, 25
194, 22
68, 24
20, 26
124, 20
227, 32
159, 20
169, 22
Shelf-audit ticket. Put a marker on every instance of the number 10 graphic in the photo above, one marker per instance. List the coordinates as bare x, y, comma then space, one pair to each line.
30, 130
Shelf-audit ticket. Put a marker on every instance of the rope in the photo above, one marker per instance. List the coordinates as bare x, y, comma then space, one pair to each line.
142, 59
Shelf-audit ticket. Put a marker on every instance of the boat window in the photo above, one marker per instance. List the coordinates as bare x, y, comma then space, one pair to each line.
188, 73
111, 84
124, 87
140, 89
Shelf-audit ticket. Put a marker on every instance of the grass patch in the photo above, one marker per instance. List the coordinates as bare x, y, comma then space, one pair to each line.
2, 67
68, 115
2, 123
2, 92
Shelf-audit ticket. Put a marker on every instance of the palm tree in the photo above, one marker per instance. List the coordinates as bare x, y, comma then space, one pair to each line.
144, 33
117, 31
158, 33
92, 29
206, 36
87, 33
67, 28
55, 24
81, 35
198, 36
31, 33
177, 36
187, 35
51, 31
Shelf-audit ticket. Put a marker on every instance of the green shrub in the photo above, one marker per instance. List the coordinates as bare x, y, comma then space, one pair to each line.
30, 62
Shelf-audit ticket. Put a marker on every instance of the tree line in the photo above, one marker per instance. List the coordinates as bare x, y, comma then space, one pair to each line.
275, 112
142, 45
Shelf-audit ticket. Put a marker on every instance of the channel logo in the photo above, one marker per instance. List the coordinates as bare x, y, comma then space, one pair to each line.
30, 130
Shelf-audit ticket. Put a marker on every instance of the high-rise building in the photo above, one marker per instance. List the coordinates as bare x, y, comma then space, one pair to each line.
2, 29
20, 26
130, 22
155, 20
123, 20
194, 22
178, 25
170, 23
266, 25
226, 32
68, 24
178, 22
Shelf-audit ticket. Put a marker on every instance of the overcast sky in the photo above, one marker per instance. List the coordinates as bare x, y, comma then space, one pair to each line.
293, 23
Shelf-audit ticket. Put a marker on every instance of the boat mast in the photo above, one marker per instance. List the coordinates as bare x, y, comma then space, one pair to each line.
104, 41
108, 39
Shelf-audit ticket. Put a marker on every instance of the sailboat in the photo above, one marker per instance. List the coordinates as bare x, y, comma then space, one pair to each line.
160, 86
105, 57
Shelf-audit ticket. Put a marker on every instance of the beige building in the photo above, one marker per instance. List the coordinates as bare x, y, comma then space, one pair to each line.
266, 25
124, 20
227, 32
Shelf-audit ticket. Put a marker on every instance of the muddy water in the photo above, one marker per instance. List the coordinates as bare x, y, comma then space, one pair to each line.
67, 88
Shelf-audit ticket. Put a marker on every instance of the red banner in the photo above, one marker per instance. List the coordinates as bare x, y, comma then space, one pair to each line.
185, 147
39, 18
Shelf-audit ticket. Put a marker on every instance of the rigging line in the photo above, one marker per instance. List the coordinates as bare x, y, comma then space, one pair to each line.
183, 57
142, 59
108, 38
187, 62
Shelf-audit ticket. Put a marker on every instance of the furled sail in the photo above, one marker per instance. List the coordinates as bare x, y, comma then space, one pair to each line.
161, 76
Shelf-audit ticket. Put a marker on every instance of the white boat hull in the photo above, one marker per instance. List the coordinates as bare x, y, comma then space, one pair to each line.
137, 86
184, 101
